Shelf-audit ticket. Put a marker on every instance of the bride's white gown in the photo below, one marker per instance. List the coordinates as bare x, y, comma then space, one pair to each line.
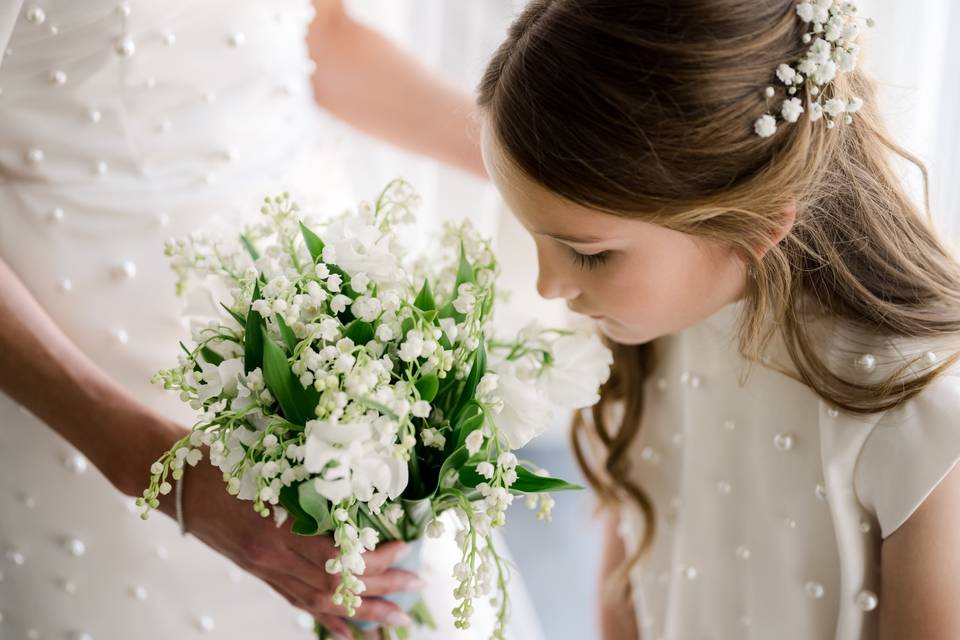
121, 125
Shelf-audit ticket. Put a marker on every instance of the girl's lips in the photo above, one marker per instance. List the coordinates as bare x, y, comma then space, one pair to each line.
589, 315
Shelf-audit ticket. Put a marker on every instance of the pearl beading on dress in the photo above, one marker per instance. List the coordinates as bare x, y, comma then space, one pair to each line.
40, 159
784, 442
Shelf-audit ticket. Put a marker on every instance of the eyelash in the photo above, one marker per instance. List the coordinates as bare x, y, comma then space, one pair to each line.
591, 261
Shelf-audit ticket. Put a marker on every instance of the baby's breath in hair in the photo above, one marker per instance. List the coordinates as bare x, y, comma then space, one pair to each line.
834, 29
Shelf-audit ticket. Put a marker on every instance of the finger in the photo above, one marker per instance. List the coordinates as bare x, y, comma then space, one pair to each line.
373, 634
382, 611
385, 555
332, 623
392, 581
321, 603
316, 549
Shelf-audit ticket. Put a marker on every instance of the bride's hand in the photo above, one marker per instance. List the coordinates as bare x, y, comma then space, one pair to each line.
293, 565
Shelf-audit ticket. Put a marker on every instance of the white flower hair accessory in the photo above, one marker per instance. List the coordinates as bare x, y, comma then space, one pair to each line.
833, 34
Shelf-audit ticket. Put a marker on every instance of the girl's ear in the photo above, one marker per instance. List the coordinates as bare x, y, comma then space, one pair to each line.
787, 220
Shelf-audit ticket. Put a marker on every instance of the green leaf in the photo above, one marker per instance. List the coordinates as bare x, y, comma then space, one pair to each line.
314, 243
298, 404
253, 337
445, 341
469, 476
424, 300
488, 303
196, 365
471, 419
210, 355
473, 379
428, 387
248, 245
316, 505
455, 460
236, 316
303, 523
286, 332
448, 311
464, 271
527, 481
360, 331
405, 326
464, 274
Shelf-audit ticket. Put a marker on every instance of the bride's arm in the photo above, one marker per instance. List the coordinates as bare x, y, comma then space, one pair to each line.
45, 372
617, 618
371, 83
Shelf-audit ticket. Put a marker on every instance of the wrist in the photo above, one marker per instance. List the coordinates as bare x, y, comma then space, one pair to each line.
139, 437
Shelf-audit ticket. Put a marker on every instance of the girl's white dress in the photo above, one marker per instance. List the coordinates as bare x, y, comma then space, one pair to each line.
122, 124
771, 504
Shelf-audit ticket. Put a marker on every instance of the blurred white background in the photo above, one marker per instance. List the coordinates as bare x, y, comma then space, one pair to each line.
910, 52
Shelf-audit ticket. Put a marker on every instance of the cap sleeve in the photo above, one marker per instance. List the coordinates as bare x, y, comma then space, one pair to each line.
908, 452
9, 11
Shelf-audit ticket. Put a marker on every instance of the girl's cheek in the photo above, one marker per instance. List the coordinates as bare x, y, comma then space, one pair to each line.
622, 296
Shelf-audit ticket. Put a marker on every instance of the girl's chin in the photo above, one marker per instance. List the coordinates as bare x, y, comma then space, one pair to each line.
622, 334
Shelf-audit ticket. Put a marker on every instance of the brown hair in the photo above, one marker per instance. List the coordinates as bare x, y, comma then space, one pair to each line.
645, 109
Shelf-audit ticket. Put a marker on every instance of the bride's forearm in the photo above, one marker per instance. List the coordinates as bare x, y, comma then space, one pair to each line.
45, 372
374, 85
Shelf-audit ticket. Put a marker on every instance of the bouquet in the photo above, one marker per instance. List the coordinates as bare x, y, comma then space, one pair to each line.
360, 393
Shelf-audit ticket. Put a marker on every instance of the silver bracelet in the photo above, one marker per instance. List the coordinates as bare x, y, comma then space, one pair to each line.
179, 505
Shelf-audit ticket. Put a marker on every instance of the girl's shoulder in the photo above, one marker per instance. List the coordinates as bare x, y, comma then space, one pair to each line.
914, 445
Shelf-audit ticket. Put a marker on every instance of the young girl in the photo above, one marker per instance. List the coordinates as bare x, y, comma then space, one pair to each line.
711, 182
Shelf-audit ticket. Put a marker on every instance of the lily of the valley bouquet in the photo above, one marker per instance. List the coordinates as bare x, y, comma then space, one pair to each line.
360, 392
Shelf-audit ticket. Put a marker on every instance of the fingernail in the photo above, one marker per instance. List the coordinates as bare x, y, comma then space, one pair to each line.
398, 619
404, 551
416, 584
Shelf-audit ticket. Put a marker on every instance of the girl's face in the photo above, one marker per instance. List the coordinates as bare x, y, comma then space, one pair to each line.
639, 281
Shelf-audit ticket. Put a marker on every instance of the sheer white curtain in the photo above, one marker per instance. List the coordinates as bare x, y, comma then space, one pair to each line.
913, 55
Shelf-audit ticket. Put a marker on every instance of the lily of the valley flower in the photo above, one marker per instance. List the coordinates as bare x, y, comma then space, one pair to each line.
219, 379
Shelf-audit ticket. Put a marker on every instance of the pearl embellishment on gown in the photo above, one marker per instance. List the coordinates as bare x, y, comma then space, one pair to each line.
867, 600
814, 590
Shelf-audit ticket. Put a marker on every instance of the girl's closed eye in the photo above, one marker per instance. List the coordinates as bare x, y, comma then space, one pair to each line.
588, 261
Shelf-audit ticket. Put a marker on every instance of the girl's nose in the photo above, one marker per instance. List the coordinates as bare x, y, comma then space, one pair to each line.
553, 285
